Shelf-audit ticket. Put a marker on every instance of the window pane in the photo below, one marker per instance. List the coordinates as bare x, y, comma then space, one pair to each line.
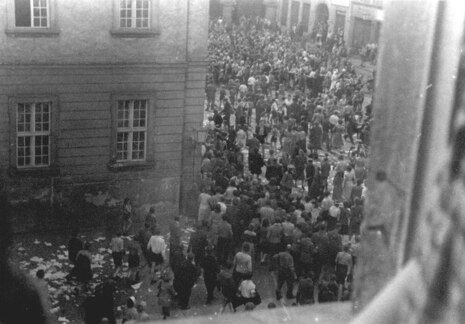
24, 118
123, 113
138, 145
36, 22
24, 151
125, 13
41, 156
140, 107
122, 146
23, 13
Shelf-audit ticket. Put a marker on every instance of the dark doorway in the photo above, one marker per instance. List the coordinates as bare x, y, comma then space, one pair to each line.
340, 22
216, 9
362, 33
305, 16
284, 10
295, 6
321, 21
249, 8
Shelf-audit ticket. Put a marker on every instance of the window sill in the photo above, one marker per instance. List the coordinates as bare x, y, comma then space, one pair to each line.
130, 166
39, 172
134, 33
32, 32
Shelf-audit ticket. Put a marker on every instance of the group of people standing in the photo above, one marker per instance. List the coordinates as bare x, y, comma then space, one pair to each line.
284, 166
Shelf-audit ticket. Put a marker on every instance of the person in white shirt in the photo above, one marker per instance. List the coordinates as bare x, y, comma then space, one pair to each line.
156, 248
242, 264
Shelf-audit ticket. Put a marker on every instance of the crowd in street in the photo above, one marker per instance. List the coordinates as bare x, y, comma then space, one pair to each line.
284, 167
282, 177
282, 183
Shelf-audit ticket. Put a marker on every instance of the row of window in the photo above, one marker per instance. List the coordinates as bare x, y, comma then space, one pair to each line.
34, 132
133, 14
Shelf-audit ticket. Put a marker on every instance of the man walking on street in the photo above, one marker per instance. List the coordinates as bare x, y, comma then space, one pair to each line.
286, 274
224, 240
184, 280
210, 271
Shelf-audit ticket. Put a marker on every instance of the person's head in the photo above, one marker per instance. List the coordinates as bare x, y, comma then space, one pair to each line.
131, 302
156, 231
190, 256
265, 223
152, 210
75, 232
249, 306
359, 182
217, 208
141, 306
346, 248
209, 250
271, 305
251, 227
40, 274
127, 201
119, 234
87, 246
245, 247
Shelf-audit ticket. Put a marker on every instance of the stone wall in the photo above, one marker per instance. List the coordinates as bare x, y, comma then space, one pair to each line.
84, 67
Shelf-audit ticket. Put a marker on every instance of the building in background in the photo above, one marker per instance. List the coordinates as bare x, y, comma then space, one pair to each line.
101, 100
365, 18
359, 21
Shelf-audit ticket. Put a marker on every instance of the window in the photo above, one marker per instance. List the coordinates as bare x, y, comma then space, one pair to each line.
132, 130
33, 128
134, 13
31, 13
31, 18
33, 134
135, 18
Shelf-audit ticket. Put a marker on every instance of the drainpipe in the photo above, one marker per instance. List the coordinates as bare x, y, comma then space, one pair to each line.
186, 75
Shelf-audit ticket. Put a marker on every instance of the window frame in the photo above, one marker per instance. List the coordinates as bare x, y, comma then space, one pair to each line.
40, 170
50, 31
33, 133
136, 32
131, 129
149, 161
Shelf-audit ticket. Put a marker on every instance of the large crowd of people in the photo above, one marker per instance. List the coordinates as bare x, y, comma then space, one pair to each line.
282, 182
284, 166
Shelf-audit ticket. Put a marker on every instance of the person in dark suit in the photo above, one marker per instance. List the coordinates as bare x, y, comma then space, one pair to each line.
184, 280
210, 271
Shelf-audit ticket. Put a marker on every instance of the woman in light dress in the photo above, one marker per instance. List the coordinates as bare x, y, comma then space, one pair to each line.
204, 206
349, 182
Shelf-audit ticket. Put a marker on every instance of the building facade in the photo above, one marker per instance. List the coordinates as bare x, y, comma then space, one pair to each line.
102, 100
359, 21
364, 25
